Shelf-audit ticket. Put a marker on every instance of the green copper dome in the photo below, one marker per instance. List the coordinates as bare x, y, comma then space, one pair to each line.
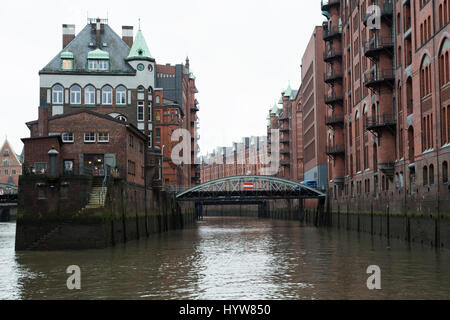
98, 54
274, 110
288, 91
66, 55
139, 50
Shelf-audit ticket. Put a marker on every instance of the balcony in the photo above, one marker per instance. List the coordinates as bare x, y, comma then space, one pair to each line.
332, 54
388, 168
380, 122
284, 151
333, 98
332, 76
377, 45
387, 10
335, 151
285, 141
285, 129
375, 78
331, 33
283, 118
327, 4
285, 163
334, 120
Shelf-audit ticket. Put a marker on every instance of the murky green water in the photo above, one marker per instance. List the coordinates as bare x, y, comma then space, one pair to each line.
230, 258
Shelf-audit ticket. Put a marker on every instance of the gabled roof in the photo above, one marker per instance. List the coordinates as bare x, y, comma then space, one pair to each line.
7, 145
139, 50
274, 109
80, 47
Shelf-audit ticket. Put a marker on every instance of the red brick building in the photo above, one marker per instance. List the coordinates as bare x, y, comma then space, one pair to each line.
10, 168
388, 111
87, 143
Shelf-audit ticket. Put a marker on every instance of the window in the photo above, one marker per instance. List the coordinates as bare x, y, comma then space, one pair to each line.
445, 172
6, 172
150, 111
157, 99
121, 95
89, 137
89, 95
431, 171
131, 167
158, 133
140, 111
67, 64
103, 137
14, 172
131, 141
98, 65
57, 94
75, 95
425, 176
6, 153
67, 137
40, 167
158, 116
107, 95
6, 163
121, 118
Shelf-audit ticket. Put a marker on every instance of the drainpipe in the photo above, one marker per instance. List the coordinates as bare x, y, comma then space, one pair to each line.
436, 88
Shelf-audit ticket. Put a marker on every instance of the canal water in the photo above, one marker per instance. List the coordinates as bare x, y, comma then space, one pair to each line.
230, 258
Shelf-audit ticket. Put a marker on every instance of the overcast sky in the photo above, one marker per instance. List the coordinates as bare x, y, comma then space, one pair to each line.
243, 54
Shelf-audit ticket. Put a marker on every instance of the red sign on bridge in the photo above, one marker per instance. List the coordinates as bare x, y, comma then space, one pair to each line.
249, 186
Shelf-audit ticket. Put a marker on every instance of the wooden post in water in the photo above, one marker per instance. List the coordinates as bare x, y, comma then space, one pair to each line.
137, 214
371, 218
387, 224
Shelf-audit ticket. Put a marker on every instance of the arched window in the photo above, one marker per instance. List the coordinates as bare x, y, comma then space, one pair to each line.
431, 172
107, 95
444, 73
121, 95
425, 176
89, 95
57, 94
445, 172
425, 77
75, 95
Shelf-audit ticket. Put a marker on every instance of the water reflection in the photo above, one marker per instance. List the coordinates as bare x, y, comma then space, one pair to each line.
230, 258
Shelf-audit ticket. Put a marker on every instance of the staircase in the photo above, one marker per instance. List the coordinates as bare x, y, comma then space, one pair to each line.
96, 196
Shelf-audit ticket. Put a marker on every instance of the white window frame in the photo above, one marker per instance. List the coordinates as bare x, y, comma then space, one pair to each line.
93, 65
75, 96
64, 137
57, 96
107, 95
88, 140
140, 111
102, 140
121, 95
150, 112
89, 96
103, 65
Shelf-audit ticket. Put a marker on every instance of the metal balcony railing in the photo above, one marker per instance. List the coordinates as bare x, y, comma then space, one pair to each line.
386, 10
333, 97
378, 44
381, 121
375, 77
329, 33
334, 120
332, 75
332, 54
335, 150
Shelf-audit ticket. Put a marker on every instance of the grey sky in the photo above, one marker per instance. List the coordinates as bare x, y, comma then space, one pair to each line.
243, 54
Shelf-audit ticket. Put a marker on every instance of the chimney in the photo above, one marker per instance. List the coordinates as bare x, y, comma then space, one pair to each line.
43, 121
68, 33
127, 35
98, 28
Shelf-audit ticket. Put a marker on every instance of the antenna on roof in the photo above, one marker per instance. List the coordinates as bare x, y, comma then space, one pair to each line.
139, 24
